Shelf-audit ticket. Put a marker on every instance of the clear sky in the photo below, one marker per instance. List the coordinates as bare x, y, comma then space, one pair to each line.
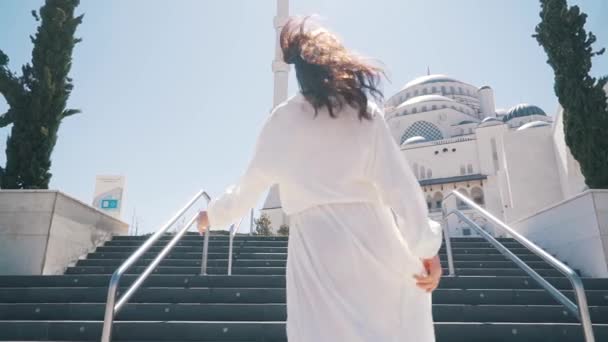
173, 92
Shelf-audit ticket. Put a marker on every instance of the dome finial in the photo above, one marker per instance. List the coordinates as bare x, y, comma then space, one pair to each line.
428, 71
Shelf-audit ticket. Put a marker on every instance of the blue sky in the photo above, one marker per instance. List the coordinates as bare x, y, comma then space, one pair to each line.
174, 92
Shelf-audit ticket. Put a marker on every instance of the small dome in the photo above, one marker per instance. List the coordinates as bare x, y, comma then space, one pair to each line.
533, 124
414, 140
465, 122
523, 109
490, 121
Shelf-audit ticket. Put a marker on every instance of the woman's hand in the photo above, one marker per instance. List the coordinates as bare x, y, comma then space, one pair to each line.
430, 281
202, 222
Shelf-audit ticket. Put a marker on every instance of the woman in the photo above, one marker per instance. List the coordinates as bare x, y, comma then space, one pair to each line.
362, 257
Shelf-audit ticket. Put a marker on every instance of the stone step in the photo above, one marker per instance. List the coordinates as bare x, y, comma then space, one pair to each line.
275, 295
259, 254
256, 249
160, 280
497, 272
239, 262
205, 331
277, 312
221, 256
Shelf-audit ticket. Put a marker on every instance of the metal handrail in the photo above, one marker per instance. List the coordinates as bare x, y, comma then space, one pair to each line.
112, 309
581, 312
234, 228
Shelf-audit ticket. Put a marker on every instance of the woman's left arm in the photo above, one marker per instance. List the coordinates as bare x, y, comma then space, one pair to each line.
239, 198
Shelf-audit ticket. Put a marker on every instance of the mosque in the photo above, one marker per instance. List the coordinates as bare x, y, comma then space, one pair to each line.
512, 162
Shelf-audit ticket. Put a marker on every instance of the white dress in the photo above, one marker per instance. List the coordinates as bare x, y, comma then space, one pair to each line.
350, 262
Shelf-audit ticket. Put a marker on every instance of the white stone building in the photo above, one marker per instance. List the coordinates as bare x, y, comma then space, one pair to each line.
513, 162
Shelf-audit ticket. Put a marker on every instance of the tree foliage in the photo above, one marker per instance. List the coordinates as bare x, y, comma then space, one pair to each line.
569, 49
37, 99
283, 230
262, 225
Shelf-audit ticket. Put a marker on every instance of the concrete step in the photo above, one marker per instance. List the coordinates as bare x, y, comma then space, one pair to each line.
457, 257
275, 295
257, 249
160, 280
239, 262
277, 312
206, 331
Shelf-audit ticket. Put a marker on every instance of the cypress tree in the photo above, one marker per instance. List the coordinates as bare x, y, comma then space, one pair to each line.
37, 99
569, 49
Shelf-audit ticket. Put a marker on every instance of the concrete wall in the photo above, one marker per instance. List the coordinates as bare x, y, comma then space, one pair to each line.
530, 164
42, 231
575, 230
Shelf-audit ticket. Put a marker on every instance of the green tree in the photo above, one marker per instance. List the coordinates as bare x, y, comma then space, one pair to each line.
37, 99
283, 230
262, 225
568, 45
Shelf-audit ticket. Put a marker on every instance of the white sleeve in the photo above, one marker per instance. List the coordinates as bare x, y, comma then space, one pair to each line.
400, 190
239, 198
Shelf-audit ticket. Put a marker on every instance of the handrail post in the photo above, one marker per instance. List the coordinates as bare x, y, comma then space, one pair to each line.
108, 318
230, 242
448, 241
234, 228
205, 251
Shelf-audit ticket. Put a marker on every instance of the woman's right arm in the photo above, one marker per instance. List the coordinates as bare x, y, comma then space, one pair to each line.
400, 190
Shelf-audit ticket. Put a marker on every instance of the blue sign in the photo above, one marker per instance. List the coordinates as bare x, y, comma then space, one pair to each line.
109, 204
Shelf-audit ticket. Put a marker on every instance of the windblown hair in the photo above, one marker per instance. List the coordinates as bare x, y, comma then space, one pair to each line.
328, 74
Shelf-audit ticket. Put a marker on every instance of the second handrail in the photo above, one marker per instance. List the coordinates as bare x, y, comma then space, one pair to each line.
580, 311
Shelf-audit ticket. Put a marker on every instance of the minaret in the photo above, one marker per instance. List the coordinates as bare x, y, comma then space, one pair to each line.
272, 204
279, 68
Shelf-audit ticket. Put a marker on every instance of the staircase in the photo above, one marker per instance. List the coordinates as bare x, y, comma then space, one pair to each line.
490, 300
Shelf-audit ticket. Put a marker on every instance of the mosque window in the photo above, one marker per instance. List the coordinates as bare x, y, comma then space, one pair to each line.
423, 129
414, 110
452, 91
477, 196
466, 231
459, 203
434, 90
438, 199
434, 107
422, 172
453, 107
424, 91
444, 106
460, 90
442, 89
494, 154
470, 168
416, 92
405, 112
429, 174
462, 170
423, 109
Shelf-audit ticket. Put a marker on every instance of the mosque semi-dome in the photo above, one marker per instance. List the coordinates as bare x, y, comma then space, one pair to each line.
522, 110
533, 124
414, 140
425, 98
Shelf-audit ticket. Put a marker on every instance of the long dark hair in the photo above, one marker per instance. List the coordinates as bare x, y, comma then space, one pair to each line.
328, 74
